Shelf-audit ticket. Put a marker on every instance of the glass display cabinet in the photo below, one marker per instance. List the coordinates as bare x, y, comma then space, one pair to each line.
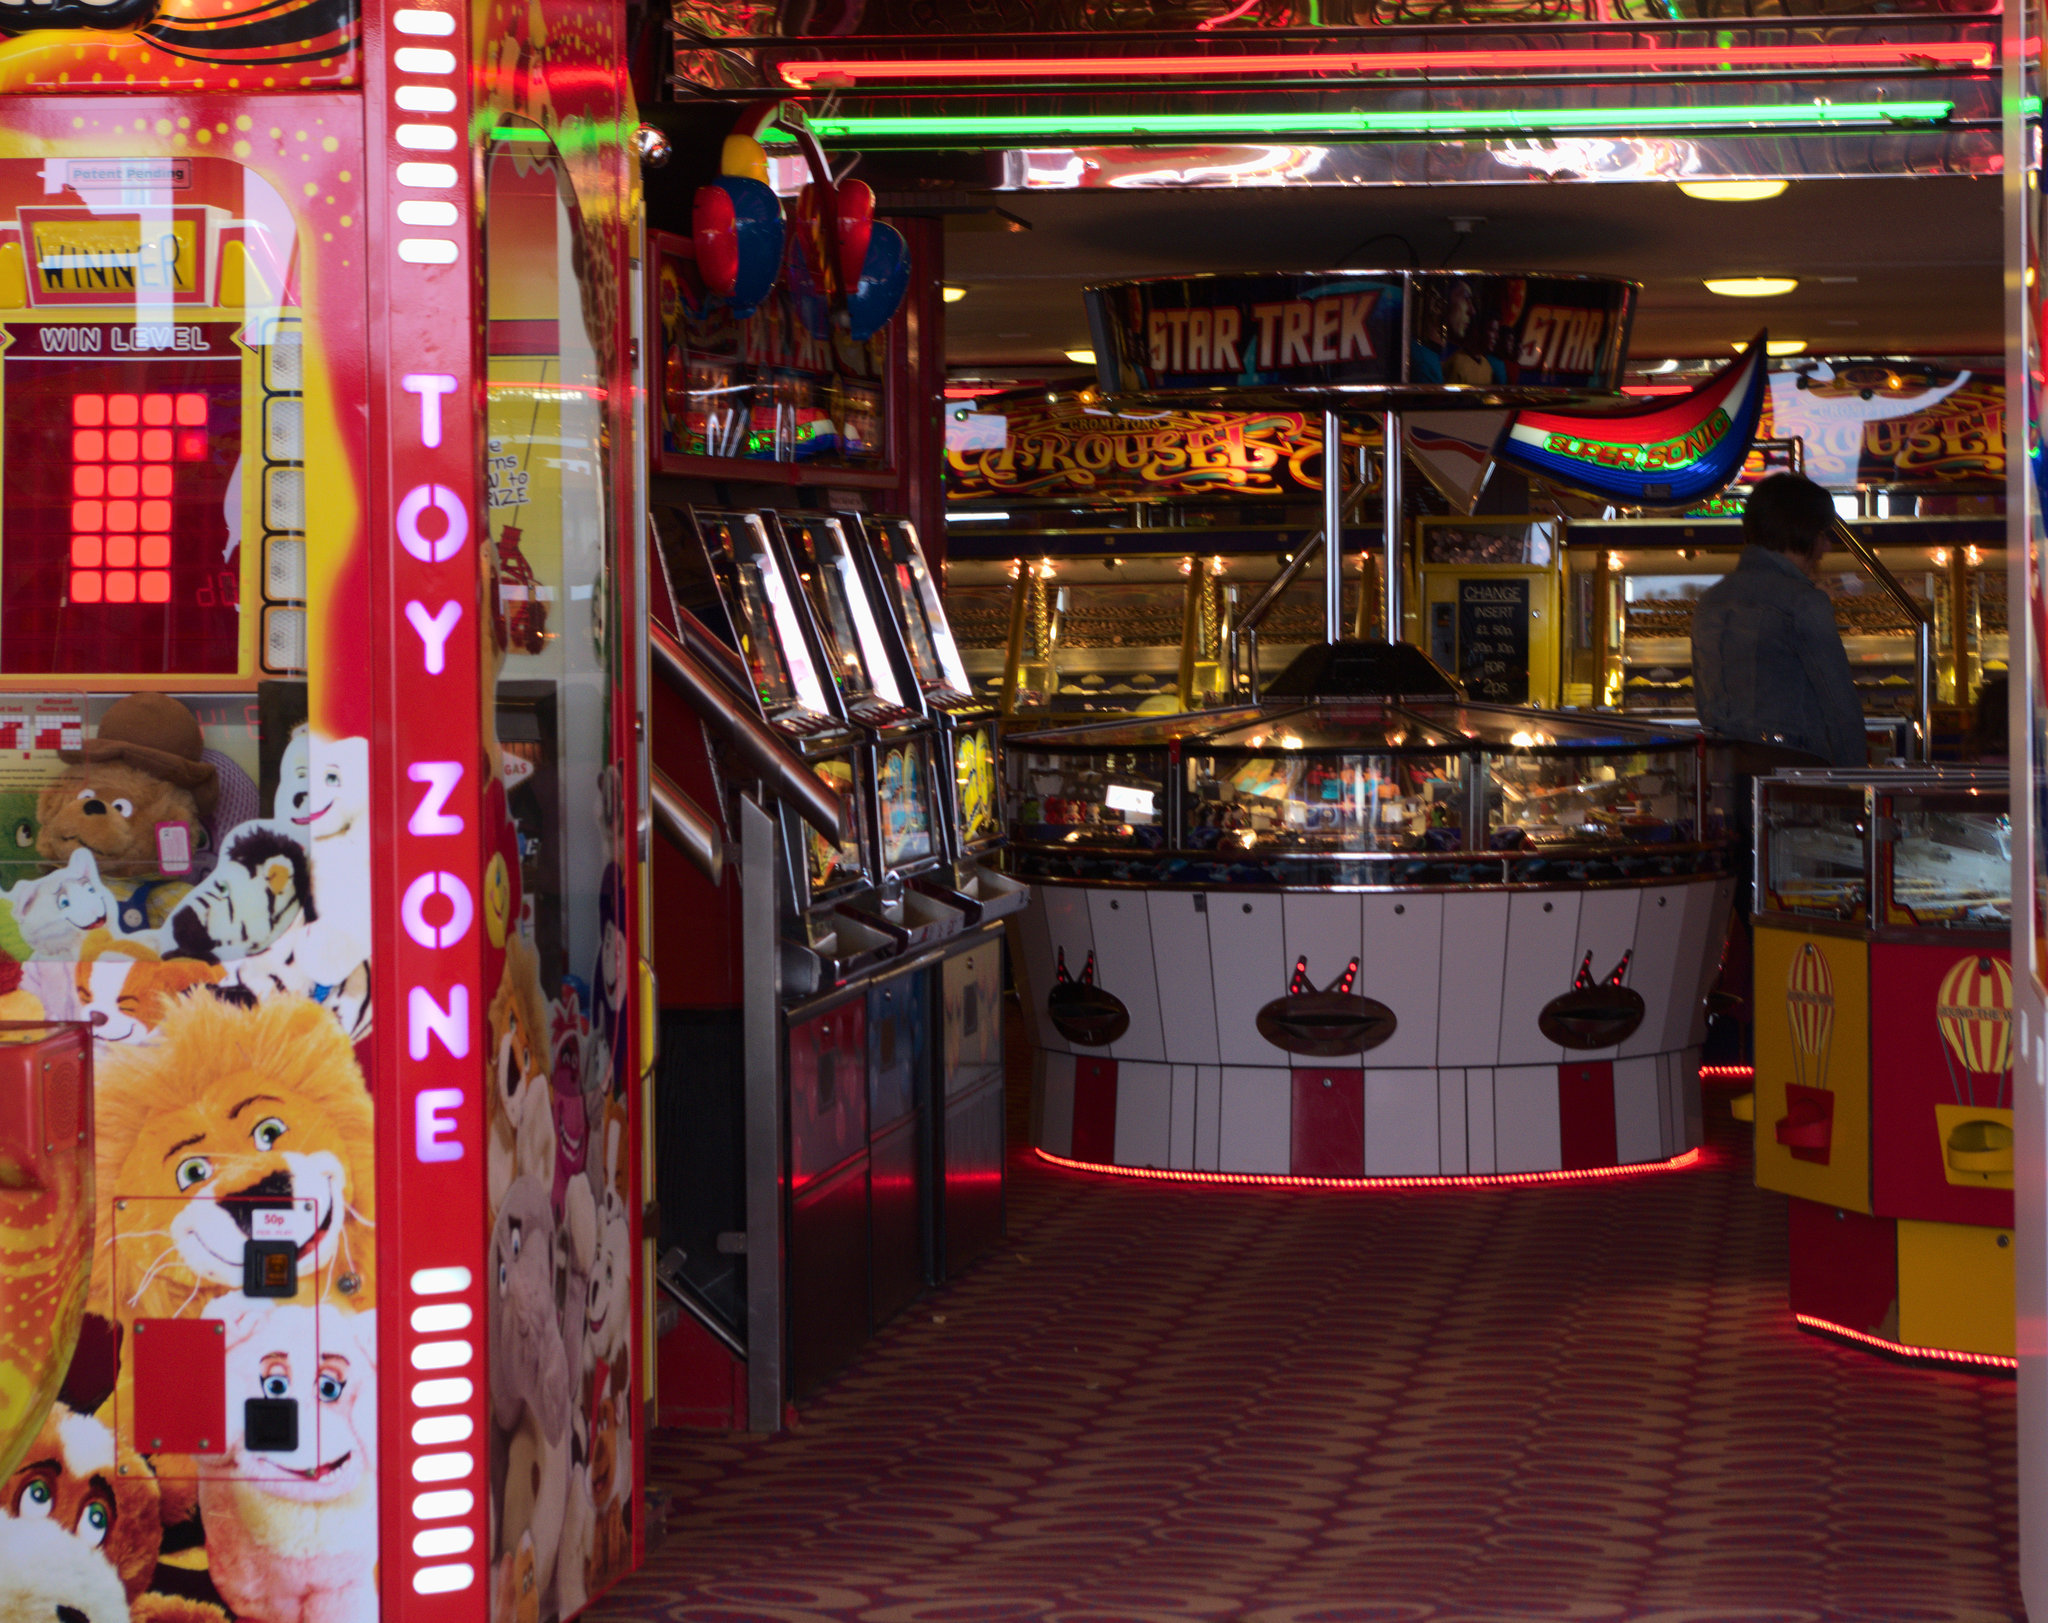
1884, 1008
1360, 792
1633, 585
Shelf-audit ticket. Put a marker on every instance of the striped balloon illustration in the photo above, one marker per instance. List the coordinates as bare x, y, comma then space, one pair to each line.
1974, 1010
1810, 1006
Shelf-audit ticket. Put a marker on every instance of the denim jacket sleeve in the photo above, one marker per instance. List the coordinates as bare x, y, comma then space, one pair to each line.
1827, 669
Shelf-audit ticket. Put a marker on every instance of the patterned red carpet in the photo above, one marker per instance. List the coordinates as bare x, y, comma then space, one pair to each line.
1160, 1402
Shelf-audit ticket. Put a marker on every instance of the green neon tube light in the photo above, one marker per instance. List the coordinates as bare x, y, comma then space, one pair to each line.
1003, 129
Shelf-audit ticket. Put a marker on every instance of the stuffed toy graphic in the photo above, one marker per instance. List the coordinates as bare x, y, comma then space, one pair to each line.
125, 989
289, 1533
137, 796
227, 1103
54, 913
516, 1112
531, 1380
77, 1475
261, 887
48, 1574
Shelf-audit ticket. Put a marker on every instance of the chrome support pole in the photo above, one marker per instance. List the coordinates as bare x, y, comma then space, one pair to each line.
761, 1106
1333, 526
1390, 518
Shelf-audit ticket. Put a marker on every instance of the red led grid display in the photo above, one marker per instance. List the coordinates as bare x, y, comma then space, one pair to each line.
121, 547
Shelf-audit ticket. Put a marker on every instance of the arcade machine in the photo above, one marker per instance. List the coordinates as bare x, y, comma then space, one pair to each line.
967, 1127
317, 709
870, 934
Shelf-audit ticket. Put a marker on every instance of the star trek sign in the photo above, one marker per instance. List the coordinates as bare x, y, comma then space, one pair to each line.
1424, 334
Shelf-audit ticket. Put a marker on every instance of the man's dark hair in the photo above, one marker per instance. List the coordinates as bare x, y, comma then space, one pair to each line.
1787, 513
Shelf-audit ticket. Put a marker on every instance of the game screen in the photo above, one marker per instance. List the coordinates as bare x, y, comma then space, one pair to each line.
853, 641
757, 601
904, 784
916, 596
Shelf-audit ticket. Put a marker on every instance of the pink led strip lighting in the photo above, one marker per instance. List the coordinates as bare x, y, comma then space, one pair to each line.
1441, 1180
1566, 59
1899, 1349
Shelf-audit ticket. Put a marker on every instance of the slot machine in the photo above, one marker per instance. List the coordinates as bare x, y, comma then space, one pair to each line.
318, 694
967, 1129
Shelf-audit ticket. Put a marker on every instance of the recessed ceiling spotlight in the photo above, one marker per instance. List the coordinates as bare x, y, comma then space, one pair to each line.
1662, 367
1750, 287
1731, 191
952, 293
1081, 357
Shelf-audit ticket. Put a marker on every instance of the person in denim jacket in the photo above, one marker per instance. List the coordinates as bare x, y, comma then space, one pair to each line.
1767, 661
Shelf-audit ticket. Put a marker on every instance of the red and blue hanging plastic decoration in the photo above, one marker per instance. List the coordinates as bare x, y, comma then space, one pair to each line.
1672, 454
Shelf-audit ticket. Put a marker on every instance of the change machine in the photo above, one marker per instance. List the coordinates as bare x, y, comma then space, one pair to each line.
317, 715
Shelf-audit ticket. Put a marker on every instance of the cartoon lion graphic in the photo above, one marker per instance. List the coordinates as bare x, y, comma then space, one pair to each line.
229, 1111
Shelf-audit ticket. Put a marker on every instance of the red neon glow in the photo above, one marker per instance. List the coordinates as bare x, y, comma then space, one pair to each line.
1655, 388
1727, 1073
1440, 1180
1932, 53
1900, 1350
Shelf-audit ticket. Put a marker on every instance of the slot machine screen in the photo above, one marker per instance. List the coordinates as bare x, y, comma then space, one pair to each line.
854, 648
122, 500
916, 595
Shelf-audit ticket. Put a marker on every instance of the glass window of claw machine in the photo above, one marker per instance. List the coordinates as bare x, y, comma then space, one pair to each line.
558, 956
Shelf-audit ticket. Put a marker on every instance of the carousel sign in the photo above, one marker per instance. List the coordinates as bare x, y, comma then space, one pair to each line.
1069, 448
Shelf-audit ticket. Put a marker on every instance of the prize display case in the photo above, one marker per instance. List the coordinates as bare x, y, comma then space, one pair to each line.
1883, 1100
1346, 791
1633, 585
1339, 936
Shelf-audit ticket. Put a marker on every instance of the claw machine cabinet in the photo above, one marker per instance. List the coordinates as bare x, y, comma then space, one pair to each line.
353, 929
1884, 1053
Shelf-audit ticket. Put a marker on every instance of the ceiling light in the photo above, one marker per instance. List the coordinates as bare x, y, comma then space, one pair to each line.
1750, 287
976, 518
952, 293
1010, 129
1776, 346
1664, 366
1081, 357
1731, 191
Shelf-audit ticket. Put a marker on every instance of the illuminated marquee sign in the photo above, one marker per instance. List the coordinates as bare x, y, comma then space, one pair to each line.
1066, 448
435, 1509
1339, 331
79, 256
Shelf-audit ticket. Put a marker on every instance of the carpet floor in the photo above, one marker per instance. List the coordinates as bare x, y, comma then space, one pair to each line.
1577, 1403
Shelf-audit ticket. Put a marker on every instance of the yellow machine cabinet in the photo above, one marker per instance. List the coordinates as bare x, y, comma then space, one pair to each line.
1813, 1065
1884, 1011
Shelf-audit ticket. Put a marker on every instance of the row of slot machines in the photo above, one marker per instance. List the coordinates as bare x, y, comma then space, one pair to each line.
888, 972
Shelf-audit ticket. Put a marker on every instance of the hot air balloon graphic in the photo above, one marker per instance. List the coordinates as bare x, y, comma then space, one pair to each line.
1807, 1127
1973, 1008
1325, 1024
